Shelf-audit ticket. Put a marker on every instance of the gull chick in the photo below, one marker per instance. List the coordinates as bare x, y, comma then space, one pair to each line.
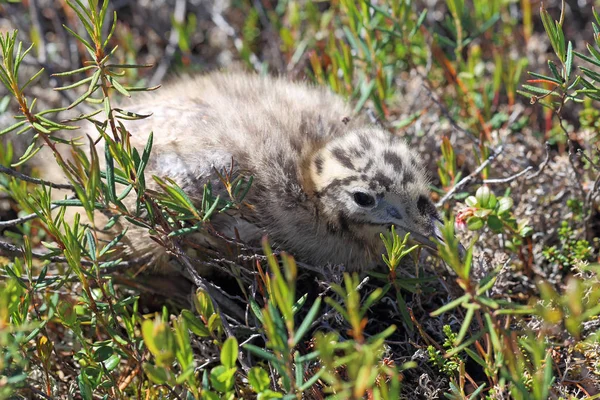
325, 185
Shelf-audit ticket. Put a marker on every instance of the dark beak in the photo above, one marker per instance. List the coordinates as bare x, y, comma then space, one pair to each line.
431, 242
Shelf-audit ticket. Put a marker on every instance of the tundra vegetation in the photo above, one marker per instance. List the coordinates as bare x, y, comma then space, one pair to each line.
499, 97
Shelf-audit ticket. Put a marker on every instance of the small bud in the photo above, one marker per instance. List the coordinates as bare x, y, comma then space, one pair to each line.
483, 196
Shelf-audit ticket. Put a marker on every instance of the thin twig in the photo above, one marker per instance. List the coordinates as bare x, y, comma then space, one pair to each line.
446, 113
37, 181
167, 58
508, 178
209, 361
467, 179
589, 201
572, 153
214, 294
213, 290
524, 172
18, 221
582, 154
251, 338
173, 392
39, 393
375, 120
12, 249
543, 164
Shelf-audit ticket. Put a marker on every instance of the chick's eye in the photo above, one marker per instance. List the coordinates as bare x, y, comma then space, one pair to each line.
364, 199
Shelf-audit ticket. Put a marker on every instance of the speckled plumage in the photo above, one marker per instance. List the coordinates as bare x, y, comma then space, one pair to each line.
309, 158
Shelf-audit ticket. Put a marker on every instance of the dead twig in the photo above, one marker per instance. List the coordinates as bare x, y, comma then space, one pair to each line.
582, 154
18, 221
37, 181
470, 179
526, 171
467, 179
589, 202
446, 114
167, 58
572, 153
214, 292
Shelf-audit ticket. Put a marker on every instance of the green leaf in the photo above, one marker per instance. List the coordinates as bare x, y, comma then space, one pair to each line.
206, 395
112, 243
91, 244
476, 358
493, 334
366, 90
159, 339
544, 77
482, 212
494, 223
85, 387
73, 203
74, 71
404, 311
34, 77
569, 62
261, 353
31, 151
111, 190
308, 320
76, 84
82, 40
195, 324
229, 352
548, 26
222, 378
471, 201
112, 362
505, 205
554, 70
40, 128
103, 353
453, 304
89, 92
259, 379
420, 21
256, 311
526, 231
12, 273
119, 88
158, 375
475, 223
144, 160
125, 66
466, 323
13, 127
538, 90
595, 53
